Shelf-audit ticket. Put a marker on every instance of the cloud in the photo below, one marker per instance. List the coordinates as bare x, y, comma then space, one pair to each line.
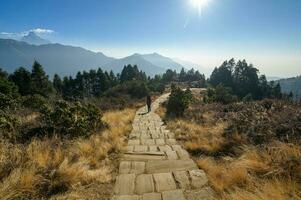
42, 31
18, 35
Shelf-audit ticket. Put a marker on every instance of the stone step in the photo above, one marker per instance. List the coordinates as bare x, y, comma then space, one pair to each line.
160, 166
125, 184
142, 157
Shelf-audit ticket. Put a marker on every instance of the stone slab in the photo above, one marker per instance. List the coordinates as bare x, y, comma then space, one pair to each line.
173, 195
171, 141
137, 167
152, 196
125, 184
171, 155
160, 142
153, 148
142, 157
176, 147
145, 184
164, 182
183, 154
140, 148
133, 142
148, 141
124, 167
165, 148
161, 166
126, 197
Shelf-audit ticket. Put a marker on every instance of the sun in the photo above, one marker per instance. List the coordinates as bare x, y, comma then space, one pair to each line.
199, 3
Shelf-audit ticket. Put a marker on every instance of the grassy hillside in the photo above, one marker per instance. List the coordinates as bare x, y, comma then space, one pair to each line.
52, 168
248, 150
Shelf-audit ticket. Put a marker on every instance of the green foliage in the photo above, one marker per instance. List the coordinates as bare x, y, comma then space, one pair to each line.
137, 89
130, 73
219, 94
72, 119
39, 81
179, 101
8, 125
22, 78
58, 84
35, 101
243, 80
8, 93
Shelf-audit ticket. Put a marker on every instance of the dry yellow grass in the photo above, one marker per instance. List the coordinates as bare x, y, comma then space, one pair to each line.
251, 173
50, 166
199, 137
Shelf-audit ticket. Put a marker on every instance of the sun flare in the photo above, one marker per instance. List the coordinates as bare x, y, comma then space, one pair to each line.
199, 3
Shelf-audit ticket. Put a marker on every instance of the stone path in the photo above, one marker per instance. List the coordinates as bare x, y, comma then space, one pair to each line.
155, 167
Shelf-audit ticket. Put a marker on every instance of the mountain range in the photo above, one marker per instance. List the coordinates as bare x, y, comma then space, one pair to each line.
67, 60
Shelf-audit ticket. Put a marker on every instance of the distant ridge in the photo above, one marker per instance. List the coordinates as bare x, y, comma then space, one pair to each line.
68, 60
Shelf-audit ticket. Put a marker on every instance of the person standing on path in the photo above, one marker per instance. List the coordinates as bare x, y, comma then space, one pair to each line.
148, 102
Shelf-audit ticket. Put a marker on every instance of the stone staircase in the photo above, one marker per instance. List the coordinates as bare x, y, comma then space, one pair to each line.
154, 167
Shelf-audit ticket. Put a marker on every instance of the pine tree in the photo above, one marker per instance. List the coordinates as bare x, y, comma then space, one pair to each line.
58, 84
39, 81
22, 78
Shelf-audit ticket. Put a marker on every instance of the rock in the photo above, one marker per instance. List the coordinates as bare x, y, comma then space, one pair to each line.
182, 178
198, 178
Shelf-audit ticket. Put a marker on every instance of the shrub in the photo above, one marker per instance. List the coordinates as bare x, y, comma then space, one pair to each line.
179, 101
8, 125
137, 89
35, 101
220, 94
72, 119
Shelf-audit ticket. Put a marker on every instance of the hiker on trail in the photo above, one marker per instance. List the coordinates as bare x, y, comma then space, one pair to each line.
148, 102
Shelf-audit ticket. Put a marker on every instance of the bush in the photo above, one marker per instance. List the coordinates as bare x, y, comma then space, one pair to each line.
35, 101
8, 125
8, 102
220, 94
179, 101
137, 89
72, 119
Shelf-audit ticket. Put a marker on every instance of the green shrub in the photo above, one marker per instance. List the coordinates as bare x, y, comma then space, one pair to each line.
8, 102
179, 101
8, 125
35, 101
72, 119
220, 94
137, 89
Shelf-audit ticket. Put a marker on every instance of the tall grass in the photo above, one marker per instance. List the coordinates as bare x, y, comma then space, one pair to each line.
236, 168
52, 168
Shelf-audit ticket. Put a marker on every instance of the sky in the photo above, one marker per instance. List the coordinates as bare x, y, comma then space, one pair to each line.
267, 33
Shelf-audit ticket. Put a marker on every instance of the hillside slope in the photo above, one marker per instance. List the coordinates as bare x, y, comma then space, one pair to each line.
56, 58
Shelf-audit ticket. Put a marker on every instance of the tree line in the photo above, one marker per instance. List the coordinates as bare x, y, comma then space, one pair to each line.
242, 80
92, 83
